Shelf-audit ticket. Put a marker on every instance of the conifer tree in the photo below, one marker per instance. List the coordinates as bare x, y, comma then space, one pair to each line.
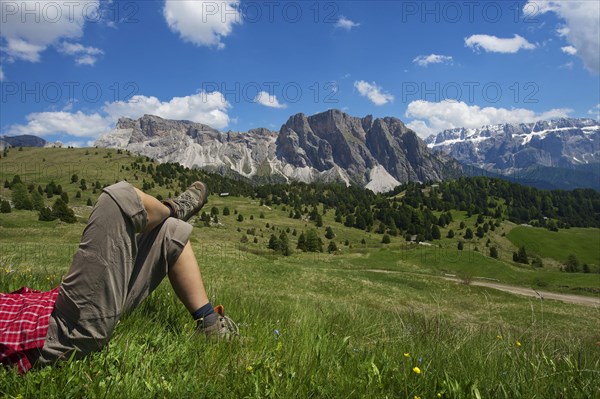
313, 241
37, 200
273, 243
46, 215
301, 242
63, 212
494, 252
5, 207
329, 233
572, 264
20, 197
284, 244
332, 247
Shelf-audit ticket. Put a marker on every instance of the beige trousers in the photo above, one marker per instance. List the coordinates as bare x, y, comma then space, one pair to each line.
113, 271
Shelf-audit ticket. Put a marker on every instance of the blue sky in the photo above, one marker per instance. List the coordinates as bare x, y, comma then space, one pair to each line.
69, 70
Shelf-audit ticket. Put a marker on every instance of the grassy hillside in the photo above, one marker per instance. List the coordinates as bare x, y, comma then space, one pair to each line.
585, 243
313, 324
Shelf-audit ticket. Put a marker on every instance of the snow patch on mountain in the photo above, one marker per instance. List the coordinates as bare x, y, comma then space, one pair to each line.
564, 143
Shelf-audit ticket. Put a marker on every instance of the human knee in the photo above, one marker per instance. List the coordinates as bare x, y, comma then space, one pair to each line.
156, 209
176, 234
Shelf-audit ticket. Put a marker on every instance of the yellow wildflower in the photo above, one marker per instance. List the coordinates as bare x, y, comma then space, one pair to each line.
249, 369
417, 397
417, 370
518, 343
499, 336
407, 355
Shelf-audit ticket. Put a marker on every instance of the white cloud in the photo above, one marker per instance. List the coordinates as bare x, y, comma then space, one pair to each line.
345, 23
562, 31
373, 92
202, 107
86, 60
18, 49
268, 100
569, 50
495, 44
567, 65
424, 60
421, 128
76, 124
76, 144
431, 118
83, 55
202, 22
581, 29
77, 48
28, 28
2, 76
595, 112
207, 108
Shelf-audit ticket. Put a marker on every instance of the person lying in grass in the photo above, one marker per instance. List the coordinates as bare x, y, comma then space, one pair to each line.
131, 242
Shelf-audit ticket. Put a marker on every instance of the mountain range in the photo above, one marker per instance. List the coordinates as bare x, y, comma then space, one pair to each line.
376, 153
25, 140
562, 153
332, 146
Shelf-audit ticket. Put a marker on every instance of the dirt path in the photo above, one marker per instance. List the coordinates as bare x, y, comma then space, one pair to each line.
530, 292
569, 298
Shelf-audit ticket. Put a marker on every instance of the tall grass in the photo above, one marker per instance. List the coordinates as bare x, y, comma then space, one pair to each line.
321, 347
312, 325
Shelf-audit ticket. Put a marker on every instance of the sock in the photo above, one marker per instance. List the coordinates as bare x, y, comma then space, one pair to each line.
171, 210
203, 312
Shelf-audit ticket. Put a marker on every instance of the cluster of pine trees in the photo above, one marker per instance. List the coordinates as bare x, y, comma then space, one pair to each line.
408, 210
520, 204
31, 198
414, 201
280, 244
178, 178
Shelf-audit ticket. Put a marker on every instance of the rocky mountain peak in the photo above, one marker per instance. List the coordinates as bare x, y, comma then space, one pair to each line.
378, 153
25, 140
125, 123
358, 145
506, 148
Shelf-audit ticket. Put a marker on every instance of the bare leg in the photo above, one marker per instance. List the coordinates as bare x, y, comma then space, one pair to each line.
157, 211
186, 280
184, 274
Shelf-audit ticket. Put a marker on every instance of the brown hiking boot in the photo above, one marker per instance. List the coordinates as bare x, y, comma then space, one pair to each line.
218, 326
188, 203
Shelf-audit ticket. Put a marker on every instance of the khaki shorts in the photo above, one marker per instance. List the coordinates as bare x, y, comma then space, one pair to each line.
114, 270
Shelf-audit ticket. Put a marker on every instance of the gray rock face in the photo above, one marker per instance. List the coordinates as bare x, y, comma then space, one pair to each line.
194, 144
330, 146
562, 143
25, 140
360, 146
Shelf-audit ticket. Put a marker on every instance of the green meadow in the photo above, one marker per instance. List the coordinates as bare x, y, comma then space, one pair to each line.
370, 320
585, 243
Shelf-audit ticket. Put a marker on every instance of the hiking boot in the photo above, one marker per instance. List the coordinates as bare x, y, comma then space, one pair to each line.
218, 326
188, 203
